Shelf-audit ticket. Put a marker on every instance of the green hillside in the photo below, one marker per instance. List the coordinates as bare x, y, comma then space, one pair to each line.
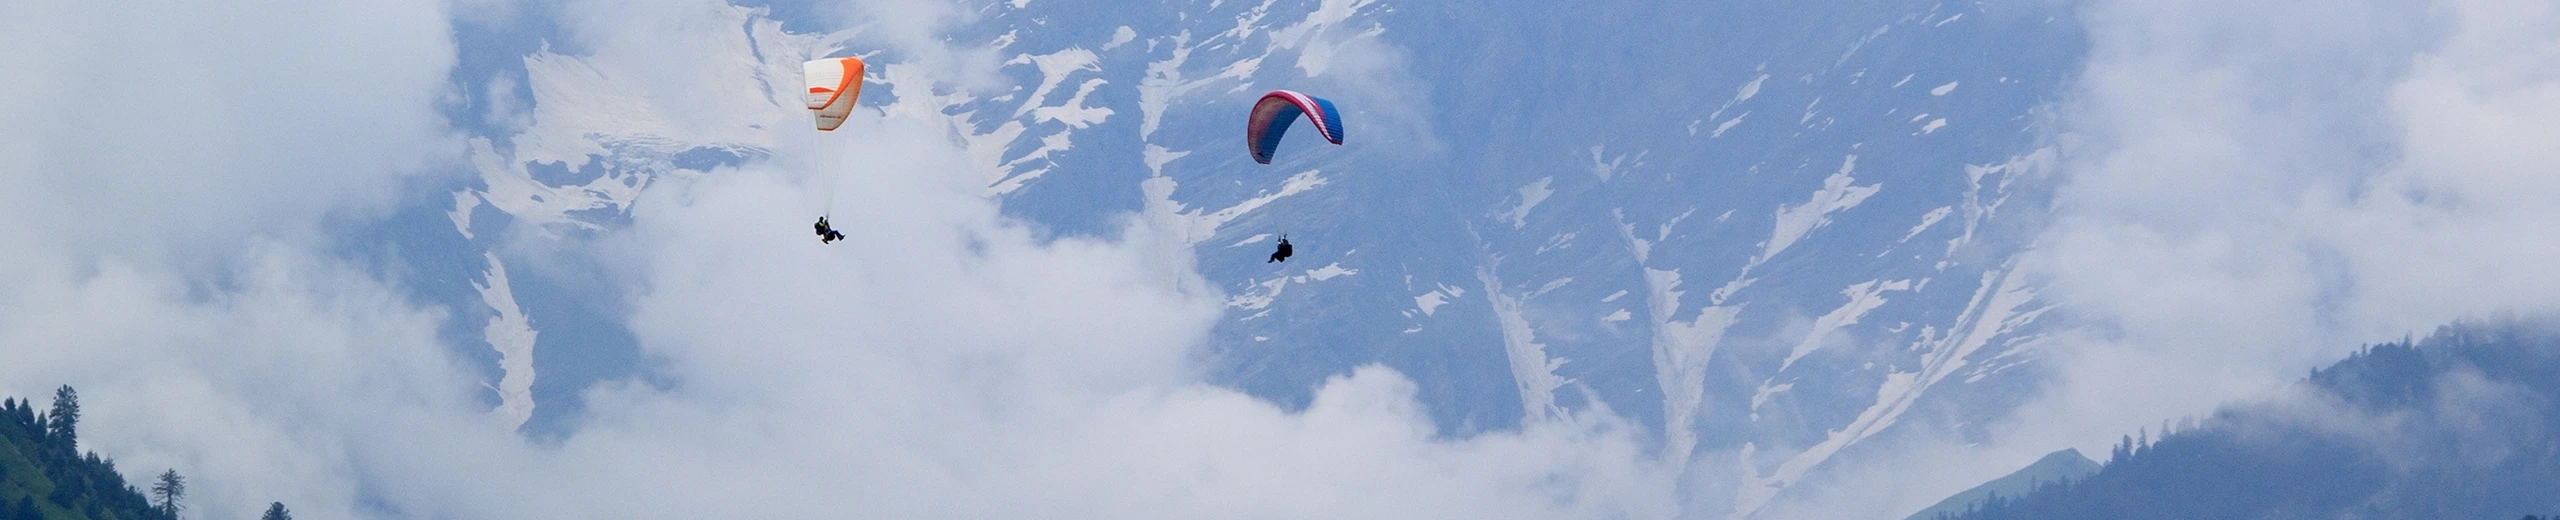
44, 477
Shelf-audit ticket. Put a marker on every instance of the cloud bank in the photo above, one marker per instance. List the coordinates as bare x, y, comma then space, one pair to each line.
2252, 189
948, 362
2248, 190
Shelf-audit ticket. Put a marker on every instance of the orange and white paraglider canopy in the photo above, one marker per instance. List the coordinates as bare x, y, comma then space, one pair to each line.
834, 83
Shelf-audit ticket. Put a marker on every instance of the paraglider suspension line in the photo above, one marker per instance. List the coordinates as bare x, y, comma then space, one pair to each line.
826, 170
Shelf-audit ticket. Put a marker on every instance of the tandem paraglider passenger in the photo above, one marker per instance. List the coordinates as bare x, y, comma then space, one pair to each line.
1283, 254
834, 84
827, 234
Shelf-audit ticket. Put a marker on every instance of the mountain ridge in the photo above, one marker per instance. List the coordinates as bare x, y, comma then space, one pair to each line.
2462, 424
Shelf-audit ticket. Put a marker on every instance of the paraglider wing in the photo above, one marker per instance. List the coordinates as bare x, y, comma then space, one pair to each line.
1277, 110
834, 83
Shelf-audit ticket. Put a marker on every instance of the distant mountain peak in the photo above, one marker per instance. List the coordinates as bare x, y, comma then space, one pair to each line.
2060, 466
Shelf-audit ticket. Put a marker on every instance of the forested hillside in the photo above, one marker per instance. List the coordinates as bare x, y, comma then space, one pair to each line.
44, 477
2460, 425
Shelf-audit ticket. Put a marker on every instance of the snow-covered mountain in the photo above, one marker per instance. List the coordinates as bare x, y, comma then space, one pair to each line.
1775, 234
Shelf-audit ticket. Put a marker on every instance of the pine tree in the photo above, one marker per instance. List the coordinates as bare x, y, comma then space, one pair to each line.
23, 412
170, 490
66, 491
26, 509
66, 417
276, 512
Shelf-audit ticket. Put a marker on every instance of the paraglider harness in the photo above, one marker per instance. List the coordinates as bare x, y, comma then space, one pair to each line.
1283, 254
827, 234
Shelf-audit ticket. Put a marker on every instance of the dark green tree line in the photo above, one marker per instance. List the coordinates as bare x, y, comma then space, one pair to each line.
2461, 425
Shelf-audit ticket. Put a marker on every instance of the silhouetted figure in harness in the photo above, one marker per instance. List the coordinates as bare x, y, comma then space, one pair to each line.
1283, 254
827, 234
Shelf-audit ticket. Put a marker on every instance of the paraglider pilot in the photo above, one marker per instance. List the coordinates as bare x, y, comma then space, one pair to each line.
1283, 254
828, 234
1271, 118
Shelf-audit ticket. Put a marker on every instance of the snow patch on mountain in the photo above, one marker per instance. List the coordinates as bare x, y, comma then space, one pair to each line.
989, 147
1073, 112
463, 202
1316, 56
919, 96
1767, 391
1557, 241
1204, 225
1757, 490
1531, 369
1268, 291
584, 104
513, 190
1328, 272
1607, 166
1157, 156
603, 114
1926, 220
1837, 193
1749, 90
1054, 69
510, 332
1861, 44
1159, 88
1863, 297
1727, 125
1745, 93
1119, 37
1430, 302
1681, 351
1975, 208
1996, 308
1530, 196
1642, 248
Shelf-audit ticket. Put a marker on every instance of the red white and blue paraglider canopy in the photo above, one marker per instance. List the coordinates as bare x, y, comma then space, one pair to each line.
1277, 110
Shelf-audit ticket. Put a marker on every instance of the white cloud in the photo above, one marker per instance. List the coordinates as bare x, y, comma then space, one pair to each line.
166, 176
918, 30
2251, 189
947, 362
170, 132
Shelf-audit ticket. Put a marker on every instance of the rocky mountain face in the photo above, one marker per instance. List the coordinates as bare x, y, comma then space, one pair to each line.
1777, 234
